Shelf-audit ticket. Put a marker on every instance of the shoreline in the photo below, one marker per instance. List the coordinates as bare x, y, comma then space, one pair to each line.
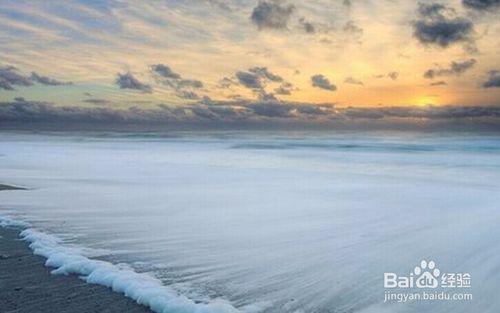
38, 274
27, 285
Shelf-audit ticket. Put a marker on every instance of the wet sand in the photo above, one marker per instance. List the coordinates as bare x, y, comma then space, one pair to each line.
9, 187
26, 285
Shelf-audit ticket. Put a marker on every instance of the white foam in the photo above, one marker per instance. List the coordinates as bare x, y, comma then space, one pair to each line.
143, 288
9, 222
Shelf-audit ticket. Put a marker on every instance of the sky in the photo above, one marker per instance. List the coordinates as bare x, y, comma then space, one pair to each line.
238, 60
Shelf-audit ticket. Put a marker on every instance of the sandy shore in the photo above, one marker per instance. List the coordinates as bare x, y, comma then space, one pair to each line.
26, 285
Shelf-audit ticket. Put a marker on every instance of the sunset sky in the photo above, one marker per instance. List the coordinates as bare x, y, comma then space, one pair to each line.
347, 53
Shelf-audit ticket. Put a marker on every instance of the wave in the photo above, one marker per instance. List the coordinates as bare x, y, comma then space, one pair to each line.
143, 288
371, 147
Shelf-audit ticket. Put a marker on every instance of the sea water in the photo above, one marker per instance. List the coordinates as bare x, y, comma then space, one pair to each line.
266, 222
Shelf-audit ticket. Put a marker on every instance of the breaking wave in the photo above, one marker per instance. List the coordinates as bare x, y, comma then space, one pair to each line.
143, 288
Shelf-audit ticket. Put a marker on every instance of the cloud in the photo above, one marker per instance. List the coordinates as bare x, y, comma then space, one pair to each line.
164, 71
128, 81
439, 83
493, 80
271, 109
189, 95
44, 80
284, 89
456, 68
183, 87
189, 83
352, 29
249, 80
322, 82
257, 78
272, 14
428, 112
10, 77
439, 25
307, 26
226, 82
353, 81
97, 101
315, 27
264, 73
267, 97
207, 113
221, 4
482, 5
393, 75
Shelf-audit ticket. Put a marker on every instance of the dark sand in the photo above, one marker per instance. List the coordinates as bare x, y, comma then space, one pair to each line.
8, 187
27, 286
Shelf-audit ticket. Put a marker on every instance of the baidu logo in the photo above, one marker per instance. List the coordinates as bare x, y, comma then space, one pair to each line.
426, 282
427, 273
424, 275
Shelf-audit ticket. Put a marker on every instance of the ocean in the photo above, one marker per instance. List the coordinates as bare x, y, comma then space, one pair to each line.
263, 221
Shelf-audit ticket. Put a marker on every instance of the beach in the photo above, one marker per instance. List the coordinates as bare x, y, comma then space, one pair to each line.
26, 285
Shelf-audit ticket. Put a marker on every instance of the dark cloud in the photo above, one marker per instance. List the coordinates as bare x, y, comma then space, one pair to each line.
257, 79
164, 71
236, 97
128, 81
314, 27
10, 77
271, 109
97, 101
186, 94
439, 83
461, 67
322, 82
183, 87
226, 82
267, 97
44, 80
456, 68
220, 4
439, 25
393, 75
307, 26
426, 113
493, 80
482, 5
353, 29
264, 73
353, 81
431, 9
207, 113
249, 80
284, 89
272, 14
189, 83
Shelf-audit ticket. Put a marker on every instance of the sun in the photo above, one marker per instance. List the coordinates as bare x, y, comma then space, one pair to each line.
426, 100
